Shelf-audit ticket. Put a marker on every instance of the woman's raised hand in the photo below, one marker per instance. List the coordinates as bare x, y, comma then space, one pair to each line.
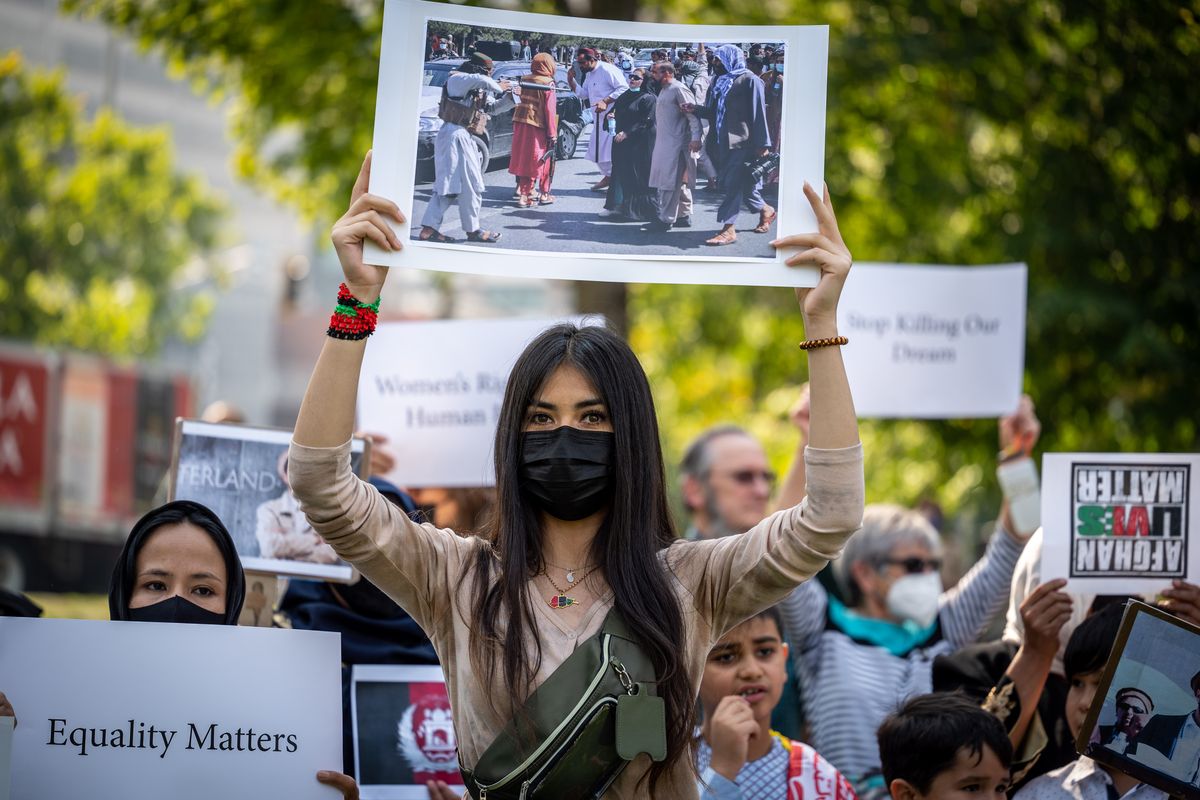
826, 251
365, 220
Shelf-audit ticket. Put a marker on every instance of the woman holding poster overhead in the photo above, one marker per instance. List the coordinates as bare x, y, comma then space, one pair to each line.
580, 615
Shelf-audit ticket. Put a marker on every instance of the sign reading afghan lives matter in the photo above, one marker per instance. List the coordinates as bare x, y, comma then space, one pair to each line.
1120, 523
144, 711
435, 390
934, 342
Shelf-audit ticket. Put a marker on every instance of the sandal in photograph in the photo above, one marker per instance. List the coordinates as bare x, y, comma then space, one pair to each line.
765, 218
429, 234
723, 238
485, 237
547, 199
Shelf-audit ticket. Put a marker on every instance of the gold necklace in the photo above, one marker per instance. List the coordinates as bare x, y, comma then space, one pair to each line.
562, 599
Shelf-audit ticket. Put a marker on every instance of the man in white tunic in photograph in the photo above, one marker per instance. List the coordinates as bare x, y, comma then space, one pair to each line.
602, 83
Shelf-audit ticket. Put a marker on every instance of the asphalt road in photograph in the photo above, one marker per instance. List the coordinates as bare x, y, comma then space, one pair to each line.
573, 223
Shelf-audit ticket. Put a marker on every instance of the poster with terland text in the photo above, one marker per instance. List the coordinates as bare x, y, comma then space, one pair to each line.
520, 144
934, 342
403, 731
1120, 523
145, 711
241, 473
434, 389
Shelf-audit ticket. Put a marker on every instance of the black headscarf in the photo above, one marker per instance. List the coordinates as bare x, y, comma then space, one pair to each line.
120, 589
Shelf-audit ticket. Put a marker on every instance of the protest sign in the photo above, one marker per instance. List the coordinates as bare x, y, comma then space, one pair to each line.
568, 237
240, 472
1119, 523
934, 342
435, 390
144, 711
403, 733
1138, 722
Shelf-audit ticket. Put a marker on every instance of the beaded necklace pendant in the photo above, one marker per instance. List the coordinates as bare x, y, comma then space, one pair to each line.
561, 601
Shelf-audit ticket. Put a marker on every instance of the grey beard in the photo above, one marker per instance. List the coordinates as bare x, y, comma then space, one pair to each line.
718, 527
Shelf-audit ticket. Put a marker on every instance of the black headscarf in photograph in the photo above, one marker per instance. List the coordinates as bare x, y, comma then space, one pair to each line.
120, 589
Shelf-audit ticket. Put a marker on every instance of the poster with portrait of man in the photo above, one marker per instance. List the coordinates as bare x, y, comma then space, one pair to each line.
240, 472
403, 731
1145, 720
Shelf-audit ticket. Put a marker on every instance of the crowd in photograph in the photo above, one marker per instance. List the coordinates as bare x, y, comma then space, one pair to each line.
661, 119
795, 641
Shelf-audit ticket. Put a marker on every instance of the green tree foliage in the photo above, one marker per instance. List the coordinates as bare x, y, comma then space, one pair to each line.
1058, 132
94, 224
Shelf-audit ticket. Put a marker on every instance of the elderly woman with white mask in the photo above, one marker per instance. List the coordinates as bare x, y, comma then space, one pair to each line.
860, 659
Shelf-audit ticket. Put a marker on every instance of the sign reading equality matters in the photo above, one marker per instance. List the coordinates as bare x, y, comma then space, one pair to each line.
1120, 523
144, 711
934, 342
435, 390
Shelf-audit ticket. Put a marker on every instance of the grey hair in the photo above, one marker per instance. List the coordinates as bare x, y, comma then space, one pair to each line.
697, 458
884, 526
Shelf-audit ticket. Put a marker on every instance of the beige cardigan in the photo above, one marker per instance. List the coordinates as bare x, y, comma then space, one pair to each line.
719, 582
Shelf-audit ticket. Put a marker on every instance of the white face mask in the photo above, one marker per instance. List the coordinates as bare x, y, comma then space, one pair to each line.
915, 597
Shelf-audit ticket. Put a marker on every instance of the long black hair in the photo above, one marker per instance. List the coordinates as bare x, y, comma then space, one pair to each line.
120, 588
626, 547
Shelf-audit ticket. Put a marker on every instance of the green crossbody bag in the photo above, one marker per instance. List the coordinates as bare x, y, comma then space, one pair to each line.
580, 728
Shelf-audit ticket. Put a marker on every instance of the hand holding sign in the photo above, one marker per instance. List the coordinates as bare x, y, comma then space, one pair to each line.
364, 220
827, 251
1182, 600
1044, 612
1019, 431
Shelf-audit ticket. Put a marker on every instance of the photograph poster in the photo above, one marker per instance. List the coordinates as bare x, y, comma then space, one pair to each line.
1147, 707
542, 146
1119, 523
403, 732
240, 472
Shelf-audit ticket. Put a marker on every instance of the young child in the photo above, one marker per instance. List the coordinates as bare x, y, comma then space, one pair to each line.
738, 756
942, 746
1084, 779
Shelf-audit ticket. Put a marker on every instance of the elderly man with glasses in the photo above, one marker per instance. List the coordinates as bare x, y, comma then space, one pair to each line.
860, 657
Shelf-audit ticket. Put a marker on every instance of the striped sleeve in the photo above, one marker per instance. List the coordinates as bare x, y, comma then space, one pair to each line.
967, 607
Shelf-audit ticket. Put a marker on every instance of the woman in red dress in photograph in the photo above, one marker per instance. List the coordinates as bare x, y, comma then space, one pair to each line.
535, 125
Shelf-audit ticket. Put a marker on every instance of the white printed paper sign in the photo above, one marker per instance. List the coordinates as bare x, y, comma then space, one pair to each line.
934, 342
403, 732
1120, 523
435, 390
144, 711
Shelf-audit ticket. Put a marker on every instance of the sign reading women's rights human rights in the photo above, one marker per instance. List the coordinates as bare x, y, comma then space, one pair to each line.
144, 711
1120, 523
934, 342
435, 390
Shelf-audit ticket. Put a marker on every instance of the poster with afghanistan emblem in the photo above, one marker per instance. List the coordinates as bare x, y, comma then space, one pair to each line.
1120, 523
403, 732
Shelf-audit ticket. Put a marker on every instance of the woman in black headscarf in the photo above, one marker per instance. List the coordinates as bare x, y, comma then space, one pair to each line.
629, 194
179, 564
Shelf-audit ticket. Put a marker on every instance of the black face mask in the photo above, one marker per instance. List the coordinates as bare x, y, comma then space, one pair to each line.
568, 472
176, 609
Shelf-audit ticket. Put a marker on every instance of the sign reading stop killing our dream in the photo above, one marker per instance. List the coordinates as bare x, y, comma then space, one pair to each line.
435, 390
1120, 523
144, 711
934, 342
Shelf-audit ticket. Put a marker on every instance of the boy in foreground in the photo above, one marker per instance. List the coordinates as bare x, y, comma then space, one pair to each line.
943, 746
738, 756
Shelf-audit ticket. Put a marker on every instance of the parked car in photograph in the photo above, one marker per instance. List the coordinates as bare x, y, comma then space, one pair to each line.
496, 143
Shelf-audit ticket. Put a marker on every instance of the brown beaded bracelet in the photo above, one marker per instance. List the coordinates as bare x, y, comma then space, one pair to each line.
832, 341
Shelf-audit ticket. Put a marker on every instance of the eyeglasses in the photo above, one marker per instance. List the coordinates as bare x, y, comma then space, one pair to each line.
634, 78
916, 566
747, 477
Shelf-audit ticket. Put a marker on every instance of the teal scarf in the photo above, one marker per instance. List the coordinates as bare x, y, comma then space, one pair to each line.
899, 639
